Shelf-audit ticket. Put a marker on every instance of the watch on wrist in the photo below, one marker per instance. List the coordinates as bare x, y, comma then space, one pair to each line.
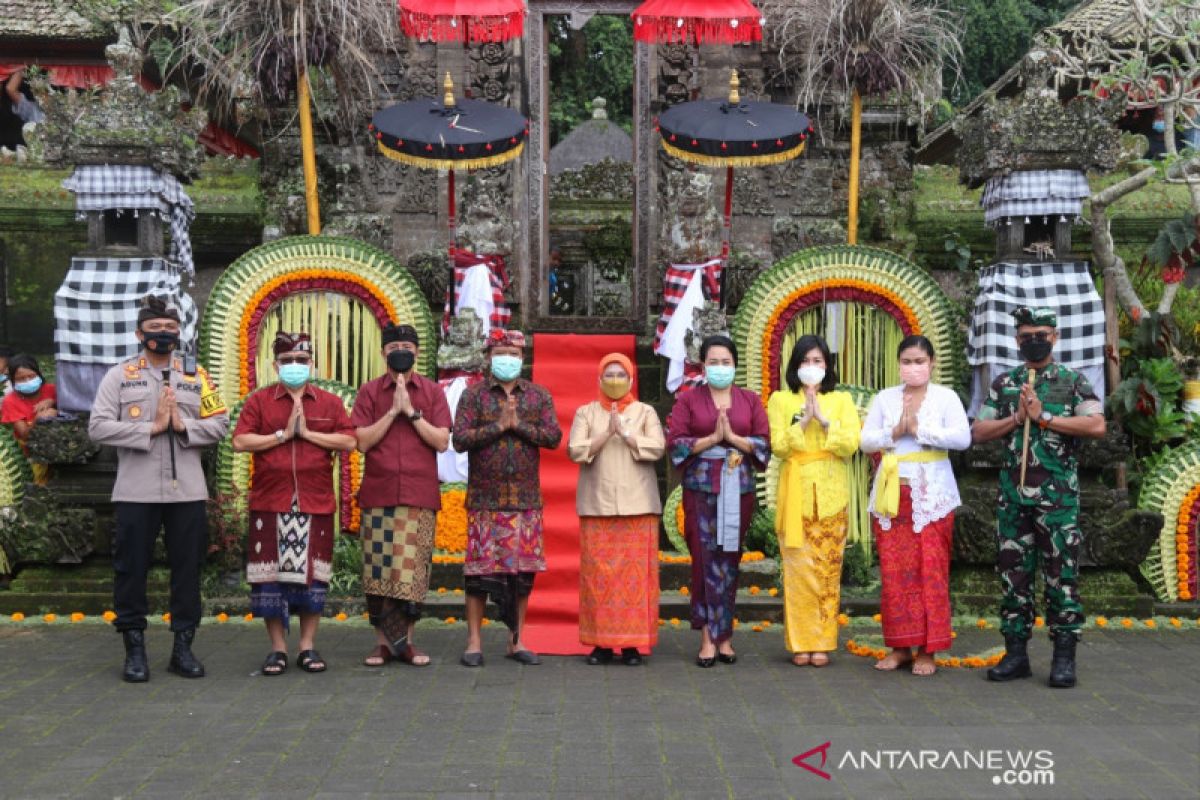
280, 436
1044, 420
415, 415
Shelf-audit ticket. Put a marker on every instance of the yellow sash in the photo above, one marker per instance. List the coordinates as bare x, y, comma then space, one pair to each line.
887, 493
789, 517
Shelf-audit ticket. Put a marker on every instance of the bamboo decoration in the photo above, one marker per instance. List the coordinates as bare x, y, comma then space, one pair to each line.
309, 155
1025, 441
855, 156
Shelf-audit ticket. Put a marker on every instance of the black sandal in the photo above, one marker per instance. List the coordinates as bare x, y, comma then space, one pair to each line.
276, 664
310, 661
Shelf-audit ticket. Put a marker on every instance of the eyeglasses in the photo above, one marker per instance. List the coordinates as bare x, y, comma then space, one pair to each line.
294, 359
1040, 336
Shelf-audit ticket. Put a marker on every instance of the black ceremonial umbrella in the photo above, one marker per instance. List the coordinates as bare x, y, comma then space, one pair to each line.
450, 134
731, 133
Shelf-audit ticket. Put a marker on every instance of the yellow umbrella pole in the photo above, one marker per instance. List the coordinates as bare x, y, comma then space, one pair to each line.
309, 152
855, 155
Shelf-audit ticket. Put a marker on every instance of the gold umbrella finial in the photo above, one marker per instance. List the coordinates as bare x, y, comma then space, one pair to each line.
734, 83
448, 85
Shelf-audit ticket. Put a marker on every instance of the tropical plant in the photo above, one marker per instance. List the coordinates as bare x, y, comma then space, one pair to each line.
863, 47
1155, 62
1147, 400
1176, 248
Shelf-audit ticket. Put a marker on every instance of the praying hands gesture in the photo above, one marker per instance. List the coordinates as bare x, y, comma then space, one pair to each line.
297, 426
908, 418
508, 414
723, 434
812, 409
401, 400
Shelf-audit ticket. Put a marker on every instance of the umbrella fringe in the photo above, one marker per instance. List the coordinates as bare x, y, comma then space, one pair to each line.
451, 163
667, 30
733, 161
437, 28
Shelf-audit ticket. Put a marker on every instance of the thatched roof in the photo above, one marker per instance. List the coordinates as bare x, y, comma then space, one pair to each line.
45, 20
1112, 19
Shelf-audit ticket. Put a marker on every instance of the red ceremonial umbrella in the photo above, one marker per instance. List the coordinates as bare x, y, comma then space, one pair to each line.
697, 22
462, 20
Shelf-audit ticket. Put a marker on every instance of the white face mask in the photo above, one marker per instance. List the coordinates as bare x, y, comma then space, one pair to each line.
811, 375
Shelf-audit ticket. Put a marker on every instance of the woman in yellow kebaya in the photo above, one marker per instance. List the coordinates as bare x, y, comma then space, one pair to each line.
814, 432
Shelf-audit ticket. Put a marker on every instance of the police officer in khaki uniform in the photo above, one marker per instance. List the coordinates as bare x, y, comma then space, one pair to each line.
159, 416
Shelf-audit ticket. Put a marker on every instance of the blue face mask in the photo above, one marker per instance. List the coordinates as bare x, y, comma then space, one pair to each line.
506, 368
29, 387
1160, 126
719, 376
293, 375
3, 379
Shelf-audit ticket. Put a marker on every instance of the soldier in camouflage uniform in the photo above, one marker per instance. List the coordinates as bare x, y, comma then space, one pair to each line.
1040, 519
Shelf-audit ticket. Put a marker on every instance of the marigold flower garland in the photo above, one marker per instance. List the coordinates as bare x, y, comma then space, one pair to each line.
1185, 544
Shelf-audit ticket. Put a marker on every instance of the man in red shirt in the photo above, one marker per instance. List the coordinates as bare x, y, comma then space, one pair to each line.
402, 422
292, 428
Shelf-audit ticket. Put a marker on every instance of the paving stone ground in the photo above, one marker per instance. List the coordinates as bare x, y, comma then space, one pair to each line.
70, 728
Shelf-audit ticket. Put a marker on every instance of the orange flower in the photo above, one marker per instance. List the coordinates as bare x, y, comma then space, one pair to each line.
1127, 623
953, 634
981, 623
458, 591
674, 620
340, 616
366, 615
166, 617
679, 518
451, 533
248, 617
108, 616
222, 618
1038, 622
1149, 623
773, 591
756, 628
842, 619
877, 617
442, 589
1102, 621
17, 616
1176, 622
755, 590
486, 622
954, 661
451, 620
77, 616
683, 590
49, 617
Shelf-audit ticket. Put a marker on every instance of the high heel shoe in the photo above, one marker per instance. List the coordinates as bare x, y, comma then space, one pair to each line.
727, 658
705, 663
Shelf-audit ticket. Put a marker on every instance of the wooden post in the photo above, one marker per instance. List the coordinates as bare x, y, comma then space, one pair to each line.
309, 153
1112, 366
1025, 442
855, 156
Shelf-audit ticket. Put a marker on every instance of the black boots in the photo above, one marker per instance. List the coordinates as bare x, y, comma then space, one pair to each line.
1015, 663
136, 669
182, 661
1062, 667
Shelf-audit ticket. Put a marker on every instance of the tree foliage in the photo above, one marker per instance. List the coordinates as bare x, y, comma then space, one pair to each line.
595, 61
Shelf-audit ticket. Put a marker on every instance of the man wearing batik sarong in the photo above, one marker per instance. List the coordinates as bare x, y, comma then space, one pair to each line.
293, 429
1037, 518
501, 423
402, 421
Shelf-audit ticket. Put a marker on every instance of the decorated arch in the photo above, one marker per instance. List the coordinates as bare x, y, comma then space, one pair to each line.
340, 290
864, 301
1173, 489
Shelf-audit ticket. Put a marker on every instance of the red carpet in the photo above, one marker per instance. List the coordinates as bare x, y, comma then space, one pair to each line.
566, 365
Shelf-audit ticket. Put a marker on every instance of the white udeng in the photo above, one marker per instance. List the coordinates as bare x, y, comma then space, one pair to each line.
941, 425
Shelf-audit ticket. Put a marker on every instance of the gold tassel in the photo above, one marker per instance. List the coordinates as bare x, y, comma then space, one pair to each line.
452, 163
733, 161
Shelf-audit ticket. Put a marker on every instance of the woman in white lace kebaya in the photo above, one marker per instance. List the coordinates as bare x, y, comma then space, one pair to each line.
912, 426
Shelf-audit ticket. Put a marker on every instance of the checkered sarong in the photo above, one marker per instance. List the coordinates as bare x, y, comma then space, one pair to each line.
1035, 193
1065, 287
675, 284
95, 309
501, 314
126, 188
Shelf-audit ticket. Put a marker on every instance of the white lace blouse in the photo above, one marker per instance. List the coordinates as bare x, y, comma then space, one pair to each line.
941, 425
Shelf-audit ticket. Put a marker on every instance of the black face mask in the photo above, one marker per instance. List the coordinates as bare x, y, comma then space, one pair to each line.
161, 341
401, 360
1034, 351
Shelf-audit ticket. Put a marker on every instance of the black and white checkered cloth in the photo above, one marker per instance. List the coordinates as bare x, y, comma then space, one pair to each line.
1035, 193
1066, 287
95, 309
133, 189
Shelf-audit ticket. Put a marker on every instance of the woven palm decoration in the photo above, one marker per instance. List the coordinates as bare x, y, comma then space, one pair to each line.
233, 469
1173, 490
14, 470
339, 290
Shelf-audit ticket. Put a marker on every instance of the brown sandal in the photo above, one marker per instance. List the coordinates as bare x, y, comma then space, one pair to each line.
410, 654
381, 653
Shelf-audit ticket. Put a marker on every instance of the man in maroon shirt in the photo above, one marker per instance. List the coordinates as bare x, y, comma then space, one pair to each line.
292, 428
402, 421
502, 422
